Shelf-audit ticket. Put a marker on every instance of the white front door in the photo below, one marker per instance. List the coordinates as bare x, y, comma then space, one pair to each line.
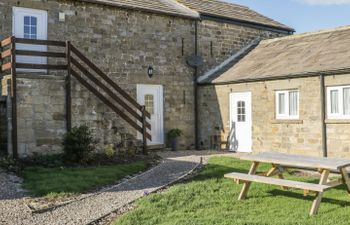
151, 96
240, 138
30, 24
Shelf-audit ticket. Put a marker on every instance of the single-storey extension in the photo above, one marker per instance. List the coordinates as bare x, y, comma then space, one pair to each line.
289, 94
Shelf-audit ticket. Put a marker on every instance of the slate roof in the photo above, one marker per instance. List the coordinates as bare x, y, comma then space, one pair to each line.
232, 11
295, 55
194, 8
170, 7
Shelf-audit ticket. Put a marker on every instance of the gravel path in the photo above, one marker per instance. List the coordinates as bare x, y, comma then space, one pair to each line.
14, 211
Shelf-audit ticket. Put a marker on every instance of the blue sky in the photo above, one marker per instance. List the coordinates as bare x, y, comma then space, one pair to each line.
303, 15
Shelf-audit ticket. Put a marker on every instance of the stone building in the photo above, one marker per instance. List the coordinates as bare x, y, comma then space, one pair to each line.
125, 39
288, 94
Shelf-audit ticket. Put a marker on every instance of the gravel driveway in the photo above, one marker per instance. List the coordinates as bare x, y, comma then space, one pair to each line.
13, 210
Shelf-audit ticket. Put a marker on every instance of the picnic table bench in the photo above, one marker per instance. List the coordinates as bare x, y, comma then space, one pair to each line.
281, 162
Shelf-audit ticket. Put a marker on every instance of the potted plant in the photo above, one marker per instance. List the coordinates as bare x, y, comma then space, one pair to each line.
172, 137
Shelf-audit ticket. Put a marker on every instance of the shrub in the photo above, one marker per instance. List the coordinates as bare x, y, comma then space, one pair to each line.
9, 164
174, 133
109, 151
78, 144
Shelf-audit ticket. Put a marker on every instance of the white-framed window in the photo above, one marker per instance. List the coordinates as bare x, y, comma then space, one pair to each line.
338, 102
287, 105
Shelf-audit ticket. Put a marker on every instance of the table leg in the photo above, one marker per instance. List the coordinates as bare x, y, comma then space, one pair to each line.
275, 170
246, 185
316, 203
346, 179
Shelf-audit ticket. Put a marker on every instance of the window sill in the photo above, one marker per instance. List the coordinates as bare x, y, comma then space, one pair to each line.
337, 121
292, 121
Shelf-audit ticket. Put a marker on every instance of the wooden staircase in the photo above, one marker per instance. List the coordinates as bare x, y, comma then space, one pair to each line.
76, 65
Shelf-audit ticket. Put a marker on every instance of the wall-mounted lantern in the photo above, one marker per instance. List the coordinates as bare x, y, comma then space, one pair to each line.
61, 17
150, 71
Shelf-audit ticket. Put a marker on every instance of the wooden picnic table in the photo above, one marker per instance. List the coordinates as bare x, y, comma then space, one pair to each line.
281, 162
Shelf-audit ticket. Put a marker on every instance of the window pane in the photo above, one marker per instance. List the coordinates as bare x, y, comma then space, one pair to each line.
33, 21
293, 103
346, 101
281, 103
334, 101
149, 103
33, 30
27, 20
26, 29
241, 111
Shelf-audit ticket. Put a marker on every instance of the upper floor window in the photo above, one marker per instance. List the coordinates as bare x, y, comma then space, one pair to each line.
30, 27
338, 102
287, 104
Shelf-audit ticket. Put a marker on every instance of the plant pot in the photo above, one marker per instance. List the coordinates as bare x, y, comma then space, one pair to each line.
173, 143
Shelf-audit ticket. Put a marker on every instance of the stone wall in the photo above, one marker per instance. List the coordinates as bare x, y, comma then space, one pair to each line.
303, 136
338, 131
123, 43
219, 40
41, 114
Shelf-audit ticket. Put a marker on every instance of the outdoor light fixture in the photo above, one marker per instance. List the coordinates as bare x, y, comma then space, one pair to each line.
150, 71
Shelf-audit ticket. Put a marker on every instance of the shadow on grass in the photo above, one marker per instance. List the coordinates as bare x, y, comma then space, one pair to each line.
311, 197
216, 171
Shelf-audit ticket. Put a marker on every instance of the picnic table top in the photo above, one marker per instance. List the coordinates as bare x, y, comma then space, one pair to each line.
298, 160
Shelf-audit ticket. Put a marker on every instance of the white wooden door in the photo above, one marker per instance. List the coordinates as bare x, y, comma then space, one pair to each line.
30, 24
151, 96
240, 138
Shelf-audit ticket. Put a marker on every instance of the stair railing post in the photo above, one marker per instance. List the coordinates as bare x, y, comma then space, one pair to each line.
14, 98
144, 130
68, 88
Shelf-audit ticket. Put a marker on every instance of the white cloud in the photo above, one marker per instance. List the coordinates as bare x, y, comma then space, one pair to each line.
325, 2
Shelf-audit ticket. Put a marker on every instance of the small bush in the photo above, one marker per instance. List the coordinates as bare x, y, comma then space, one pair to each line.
109, 151
9, 164
78, 144
174, 133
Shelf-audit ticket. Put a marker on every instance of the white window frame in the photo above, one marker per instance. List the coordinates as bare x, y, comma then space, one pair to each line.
340, 115
286, 115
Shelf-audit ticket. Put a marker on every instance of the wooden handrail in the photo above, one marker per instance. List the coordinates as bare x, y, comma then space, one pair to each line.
5, 54
44, 54
108, 103
40, 66
8, 53
6, 66
108, 80
6, 42
108, 91
40, 42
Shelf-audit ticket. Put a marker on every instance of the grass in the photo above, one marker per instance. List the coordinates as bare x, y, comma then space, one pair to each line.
210, 199
59, 182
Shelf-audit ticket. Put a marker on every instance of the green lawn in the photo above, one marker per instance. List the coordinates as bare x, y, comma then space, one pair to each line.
211, 199
58, 182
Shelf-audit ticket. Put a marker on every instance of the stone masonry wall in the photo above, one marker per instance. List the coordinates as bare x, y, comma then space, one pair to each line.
41, 114
301, 136
219, 40
123, 43
338, 131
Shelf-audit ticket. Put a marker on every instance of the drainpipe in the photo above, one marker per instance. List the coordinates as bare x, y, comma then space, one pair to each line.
196, 123
323, 116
